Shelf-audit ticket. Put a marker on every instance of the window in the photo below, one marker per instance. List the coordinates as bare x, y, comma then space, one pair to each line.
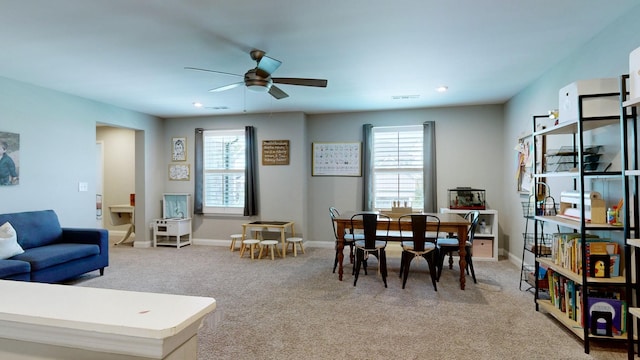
398, 166
223, 171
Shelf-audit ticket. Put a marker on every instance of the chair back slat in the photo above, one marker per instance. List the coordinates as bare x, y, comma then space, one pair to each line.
334, 213
370, 227
419, 229
474, 218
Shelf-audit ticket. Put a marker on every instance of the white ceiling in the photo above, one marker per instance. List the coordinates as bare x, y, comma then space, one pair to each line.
132, 53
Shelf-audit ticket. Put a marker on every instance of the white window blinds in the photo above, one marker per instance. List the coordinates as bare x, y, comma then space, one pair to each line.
398, 166
224, 169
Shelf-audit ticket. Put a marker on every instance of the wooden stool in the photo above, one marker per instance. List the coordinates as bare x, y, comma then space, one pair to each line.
270, 245
251, 244
234, 238
293, 241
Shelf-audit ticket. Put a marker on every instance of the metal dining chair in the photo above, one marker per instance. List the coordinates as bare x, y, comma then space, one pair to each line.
374, 242
419, 243
447, 246
349, 238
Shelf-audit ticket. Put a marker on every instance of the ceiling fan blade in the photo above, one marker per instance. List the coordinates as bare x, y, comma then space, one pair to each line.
266, 66
300, 81
277, 93
227, 87
213, 71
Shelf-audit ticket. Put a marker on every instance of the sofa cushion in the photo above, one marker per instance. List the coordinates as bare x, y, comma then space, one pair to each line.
9, 268
34, 228
45, 256
9, 242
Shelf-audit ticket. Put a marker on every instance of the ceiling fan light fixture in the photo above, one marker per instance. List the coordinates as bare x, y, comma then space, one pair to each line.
256, 83
264, 87
442, 88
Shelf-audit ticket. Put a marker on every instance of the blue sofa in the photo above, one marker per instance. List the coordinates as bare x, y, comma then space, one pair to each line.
53, 254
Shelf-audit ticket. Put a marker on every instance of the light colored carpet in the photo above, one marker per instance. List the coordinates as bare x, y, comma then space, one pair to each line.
295, 308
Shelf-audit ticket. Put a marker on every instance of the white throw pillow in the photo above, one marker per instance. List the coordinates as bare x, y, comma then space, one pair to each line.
9, 242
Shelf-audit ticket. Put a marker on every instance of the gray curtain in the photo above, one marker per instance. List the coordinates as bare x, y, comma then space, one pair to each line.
198, 173
367, 167
250, 173
429, 167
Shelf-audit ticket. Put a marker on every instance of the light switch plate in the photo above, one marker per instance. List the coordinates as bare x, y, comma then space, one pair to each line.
83, 186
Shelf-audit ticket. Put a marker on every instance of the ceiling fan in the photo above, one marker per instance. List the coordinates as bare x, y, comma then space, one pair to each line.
259, 78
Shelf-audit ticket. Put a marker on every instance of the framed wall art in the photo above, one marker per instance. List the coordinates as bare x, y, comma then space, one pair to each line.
179, 172
336, 159
179, 149
9, 158
275, 152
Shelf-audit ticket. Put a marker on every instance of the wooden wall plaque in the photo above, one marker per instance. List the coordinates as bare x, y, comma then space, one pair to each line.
275, 152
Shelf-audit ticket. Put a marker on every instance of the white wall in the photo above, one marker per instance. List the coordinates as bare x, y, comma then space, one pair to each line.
606, 55
57, 151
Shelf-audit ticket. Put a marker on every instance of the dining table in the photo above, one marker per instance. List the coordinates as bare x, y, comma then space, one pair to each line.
449, 222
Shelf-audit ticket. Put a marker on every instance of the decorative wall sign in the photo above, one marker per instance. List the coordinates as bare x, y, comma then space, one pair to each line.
336, 159
179, 149
275, 152
179, 172
9, 158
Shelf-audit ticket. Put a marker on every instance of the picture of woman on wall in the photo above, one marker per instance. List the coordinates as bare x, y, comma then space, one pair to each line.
178, 149
8, 158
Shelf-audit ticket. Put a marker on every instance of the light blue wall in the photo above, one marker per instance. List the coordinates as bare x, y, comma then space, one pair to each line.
57, 150
474, 146
606, 55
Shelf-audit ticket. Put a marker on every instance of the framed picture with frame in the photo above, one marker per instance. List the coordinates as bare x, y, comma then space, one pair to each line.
179, 149
179, 172
336, 159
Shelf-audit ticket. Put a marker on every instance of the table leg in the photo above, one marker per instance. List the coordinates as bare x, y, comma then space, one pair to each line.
242, 248
462, 252
282, 240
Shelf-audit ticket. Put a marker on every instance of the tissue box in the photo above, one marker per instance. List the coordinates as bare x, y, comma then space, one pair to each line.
600, 106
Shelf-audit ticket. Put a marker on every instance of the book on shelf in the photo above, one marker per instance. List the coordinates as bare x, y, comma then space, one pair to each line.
605, 317
570, 299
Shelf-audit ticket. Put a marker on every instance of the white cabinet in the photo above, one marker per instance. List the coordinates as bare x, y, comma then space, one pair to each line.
485, 243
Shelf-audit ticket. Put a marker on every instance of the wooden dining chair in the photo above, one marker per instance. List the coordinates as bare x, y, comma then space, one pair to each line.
374, 242
447, 246
419, 243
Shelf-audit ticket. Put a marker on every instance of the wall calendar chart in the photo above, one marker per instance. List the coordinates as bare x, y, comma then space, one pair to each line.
336, 159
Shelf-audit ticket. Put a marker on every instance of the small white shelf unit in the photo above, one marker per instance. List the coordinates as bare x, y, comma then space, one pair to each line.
485, 243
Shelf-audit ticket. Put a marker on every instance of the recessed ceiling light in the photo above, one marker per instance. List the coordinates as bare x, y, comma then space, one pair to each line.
197, 104
442, 88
